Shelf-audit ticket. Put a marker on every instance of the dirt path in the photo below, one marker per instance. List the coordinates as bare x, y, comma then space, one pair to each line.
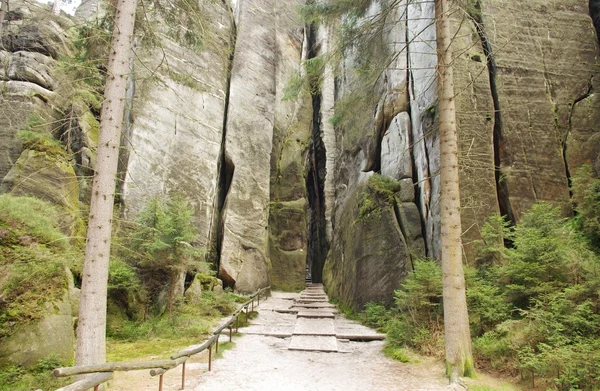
261, 362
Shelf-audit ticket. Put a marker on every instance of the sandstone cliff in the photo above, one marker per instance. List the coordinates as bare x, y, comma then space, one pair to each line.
277, 185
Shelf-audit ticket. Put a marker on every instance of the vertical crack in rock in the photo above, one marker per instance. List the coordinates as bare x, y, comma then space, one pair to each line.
498, 139
565, 141
315, 183
226, 170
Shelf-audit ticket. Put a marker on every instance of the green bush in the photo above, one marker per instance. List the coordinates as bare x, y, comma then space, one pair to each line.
586, 201
16, 378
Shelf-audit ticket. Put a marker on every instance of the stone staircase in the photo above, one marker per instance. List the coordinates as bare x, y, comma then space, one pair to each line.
309, 321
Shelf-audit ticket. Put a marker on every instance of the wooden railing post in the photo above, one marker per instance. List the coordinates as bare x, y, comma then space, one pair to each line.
209, 358
183, 376
230, 332
217, 345
160, 383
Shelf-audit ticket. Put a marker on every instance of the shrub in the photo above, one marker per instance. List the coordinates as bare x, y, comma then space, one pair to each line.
378, 193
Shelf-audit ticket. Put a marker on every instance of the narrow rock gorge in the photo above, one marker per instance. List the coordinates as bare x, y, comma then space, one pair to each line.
280, 185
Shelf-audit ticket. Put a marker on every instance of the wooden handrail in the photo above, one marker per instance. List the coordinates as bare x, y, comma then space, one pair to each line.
100, 373
89, 382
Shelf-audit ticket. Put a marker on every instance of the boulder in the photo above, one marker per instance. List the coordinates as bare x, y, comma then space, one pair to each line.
53, 336
193, 294
410, 224
369, 257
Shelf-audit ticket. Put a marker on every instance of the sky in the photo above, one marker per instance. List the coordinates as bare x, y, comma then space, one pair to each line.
68, 6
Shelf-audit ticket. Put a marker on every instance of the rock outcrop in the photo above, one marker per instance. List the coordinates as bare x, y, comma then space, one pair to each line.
177, 130
52, 336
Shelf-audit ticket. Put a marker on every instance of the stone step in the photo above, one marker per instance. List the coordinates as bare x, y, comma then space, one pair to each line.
314, 326
316, 314
313, 306
310, 343
311, 301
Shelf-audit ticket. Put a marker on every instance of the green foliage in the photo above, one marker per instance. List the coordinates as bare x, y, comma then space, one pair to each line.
548, 323
487, 306
82, 74
375, 315
122, 276
36, 136
187, 321
16, 378
546, 256
416, 320
185, 21
162, 236
491, 250
396, 353
33, 257
309, 80
378, 193
586, 201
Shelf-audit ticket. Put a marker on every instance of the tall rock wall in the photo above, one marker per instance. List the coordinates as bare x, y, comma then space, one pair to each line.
526, 115
264, 146
177, 121
288, 242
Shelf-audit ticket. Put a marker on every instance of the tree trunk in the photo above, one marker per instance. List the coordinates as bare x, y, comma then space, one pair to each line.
91, 329
3, 12
459, 358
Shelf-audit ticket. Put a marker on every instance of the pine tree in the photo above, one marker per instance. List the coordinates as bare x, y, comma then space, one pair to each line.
459, 359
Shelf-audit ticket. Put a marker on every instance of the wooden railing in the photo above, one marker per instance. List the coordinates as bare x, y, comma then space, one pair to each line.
101, 373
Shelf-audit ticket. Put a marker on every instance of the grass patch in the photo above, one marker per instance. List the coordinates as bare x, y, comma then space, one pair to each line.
33, 258
159, 337
223, 346
16, 378
396, 353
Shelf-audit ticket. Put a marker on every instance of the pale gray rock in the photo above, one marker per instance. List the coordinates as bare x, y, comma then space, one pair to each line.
396, 159
176, 136
407, 190
410, 224
422, 60
292, 133
32, 67
51, 336
244, 261
193, 294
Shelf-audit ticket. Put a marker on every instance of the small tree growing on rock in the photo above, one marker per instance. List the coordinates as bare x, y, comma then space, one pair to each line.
160, 243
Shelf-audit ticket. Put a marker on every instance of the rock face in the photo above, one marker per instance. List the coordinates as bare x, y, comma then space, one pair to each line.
368, 258
540, 77
52, 336
177, 130
268, 49
48, 177
291, 137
